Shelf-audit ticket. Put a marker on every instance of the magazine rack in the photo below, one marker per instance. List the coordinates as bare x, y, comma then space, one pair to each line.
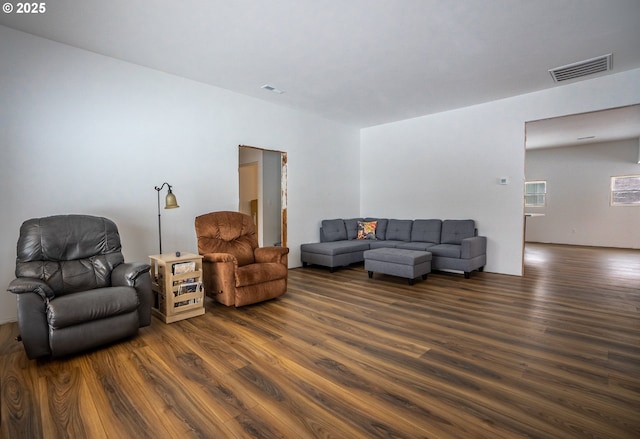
176, 282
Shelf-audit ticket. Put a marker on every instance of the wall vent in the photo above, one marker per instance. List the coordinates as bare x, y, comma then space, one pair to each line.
581, 68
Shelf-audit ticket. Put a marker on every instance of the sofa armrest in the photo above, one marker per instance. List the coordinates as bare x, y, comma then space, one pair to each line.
474, 246
271, 254
23, 285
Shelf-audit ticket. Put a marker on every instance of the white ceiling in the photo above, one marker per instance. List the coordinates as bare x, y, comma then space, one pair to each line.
359, 62
582, 129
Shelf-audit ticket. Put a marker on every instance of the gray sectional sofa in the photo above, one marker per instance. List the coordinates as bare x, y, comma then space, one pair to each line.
454, 244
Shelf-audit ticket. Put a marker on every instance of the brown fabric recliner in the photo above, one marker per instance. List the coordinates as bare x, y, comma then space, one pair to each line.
235, 270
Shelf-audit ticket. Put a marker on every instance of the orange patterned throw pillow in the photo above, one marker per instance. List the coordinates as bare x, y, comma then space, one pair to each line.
367, 229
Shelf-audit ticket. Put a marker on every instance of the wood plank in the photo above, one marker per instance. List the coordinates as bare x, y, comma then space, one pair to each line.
68, 405
21, 404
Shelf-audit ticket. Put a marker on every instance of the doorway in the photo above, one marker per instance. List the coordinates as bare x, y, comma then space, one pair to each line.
577, 154
263, 192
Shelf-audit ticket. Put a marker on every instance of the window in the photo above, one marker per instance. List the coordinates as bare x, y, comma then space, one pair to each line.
535, 193
625, 190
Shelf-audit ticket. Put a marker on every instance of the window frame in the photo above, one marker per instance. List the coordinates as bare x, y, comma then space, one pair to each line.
543, 194
612, 192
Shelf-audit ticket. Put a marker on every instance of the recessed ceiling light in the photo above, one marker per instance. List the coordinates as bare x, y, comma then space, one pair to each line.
272, 89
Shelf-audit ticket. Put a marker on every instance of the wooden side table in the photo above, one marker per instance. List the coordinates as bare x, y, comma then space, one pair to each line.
176, 283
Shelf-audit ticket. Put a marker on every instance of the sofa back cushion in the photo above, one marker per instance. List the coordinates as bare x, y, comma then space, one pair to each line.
399, 230
352, 227
426, 230
454, 231
333, 230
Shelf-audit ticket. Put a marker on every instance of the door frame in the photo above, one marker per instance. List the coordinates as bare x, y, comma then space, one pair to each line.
283, 189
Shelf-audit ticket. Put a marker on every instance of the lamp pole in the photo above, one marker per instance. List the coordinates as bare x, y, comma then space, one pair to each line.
170, 203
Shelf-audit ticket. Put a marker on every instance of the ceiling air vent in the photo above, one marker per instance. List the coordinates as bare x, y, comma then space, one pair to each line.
272, 89
582, 68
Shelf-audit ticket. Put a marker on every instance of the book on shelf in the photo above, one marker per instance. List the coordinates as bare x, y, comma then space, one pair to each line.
189, 287
184, 281
186, 288
183, 267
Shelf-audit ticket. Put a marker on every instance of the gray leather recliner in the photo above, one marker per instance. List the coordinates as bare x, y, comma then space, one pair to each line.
75, 292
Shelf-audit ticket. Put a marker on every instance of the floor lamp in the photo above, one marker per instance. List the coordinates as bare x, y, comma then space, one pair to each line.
170, 202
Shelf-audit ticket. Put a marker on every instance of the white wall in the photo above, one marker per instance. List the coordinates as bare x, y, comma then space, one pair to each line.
271, 198
447, 165
84, 133
578, 209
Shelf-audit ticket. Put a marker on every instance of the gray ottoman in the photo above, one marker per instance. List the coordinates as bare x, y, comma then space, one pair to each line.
409, 264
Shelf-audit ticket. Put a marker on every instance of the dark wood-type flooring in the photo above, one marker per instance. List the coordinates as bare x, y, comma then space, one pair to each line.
552, 354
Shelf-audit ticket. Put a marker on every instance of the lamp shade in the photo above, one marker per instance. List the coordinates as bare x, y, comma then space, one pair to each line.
170, 201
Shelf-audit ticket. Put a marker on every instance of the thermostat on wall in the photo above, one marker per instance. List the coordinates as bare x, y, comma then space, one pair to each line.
503, 180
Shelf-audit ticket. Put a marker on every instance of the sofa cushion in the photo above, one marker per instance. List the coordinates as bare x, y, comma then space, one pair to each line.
424, 246
446, 250
352, 227
335, 248
367, 229
454, 231
399, 230
385, 243
426, 230
334, 230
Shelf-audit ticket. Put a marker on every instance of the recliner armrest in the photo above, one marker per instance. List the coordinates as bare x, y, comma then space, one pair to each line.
33, 325
474, 246
219, 276
31, 285
219, 257
136, 275
128, 272
271, 254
